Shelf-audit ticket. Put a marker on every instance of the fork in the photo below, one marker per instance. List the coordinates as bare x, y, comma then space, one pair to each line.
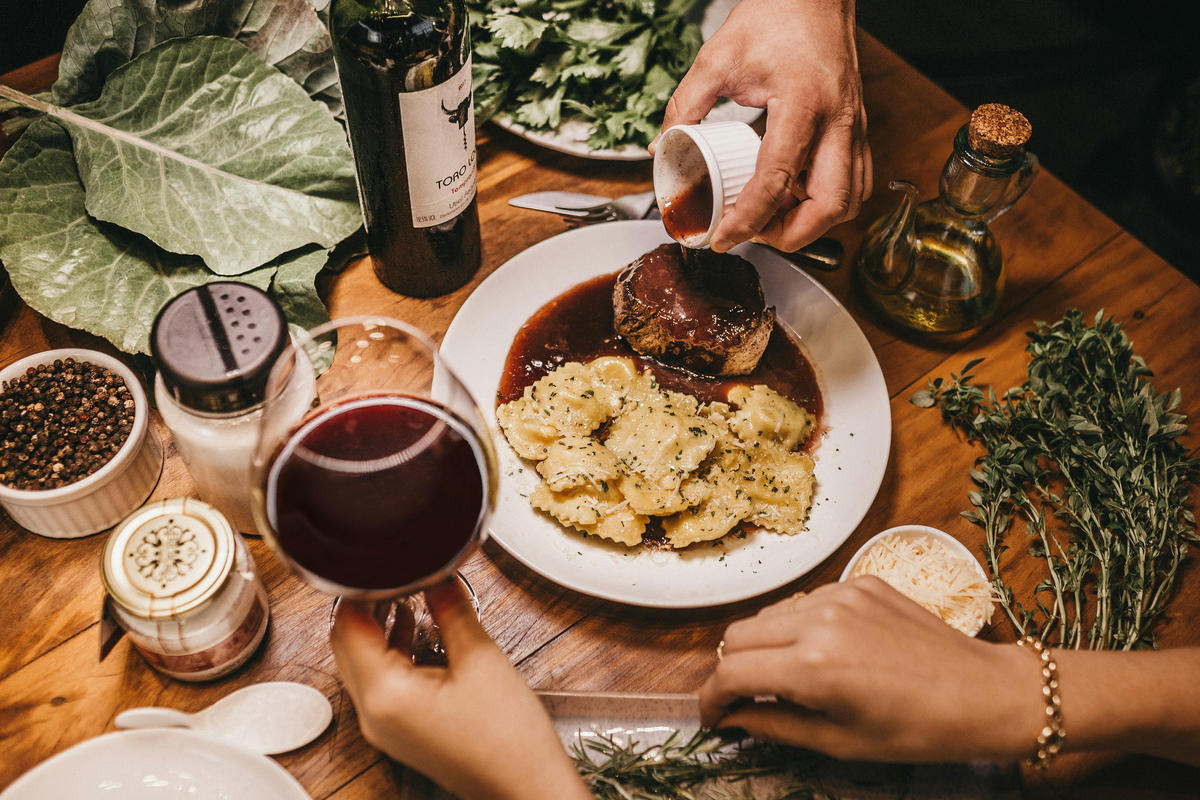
630, 206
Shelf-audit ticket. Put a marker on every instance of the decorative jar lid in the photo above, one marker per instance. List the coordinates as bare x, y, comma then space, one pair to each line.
168, 558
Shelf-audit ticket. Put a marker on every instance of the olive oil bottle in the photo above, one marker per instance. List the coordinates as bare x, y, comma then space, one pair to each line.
935, 267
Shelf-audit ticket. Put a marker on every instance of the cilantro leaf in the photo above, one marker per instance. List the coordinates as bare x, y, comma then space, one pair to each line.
515, 31
541, 111
631, 61
598, 31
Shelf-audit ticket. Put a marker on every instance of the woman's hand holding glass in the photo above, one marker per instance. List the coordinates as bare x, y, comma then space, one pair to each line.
473, 726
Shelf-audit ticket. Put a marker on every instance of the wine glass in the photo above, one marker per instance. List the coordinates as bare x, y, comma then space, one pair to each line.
383, 486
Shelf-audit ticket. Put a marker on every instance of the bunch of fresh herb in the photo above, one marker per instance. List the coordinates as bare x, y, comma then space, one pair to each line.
166, 157
1086, 442
613, 63
706, 765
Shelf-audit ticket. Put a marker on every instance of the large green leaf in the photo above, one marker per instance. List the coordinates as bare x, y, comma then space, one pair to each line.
289, 34
207, 150
295, 288
80, 272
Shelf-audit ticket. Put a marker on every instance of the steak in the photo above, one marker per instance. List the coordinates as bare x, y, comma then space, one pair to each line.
695, 309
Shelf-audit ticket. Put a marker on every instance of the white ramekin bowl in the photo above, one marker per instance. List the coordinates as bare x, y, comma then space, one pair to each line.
109, 494
727, 151
912, 533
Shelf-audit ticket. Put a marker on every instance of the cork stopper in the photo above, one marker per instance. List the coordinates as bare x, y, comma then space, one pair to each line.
998, 131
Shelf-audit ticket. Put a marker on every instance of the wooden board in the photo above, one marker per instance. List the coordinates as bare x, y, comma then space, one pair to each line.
1061, 253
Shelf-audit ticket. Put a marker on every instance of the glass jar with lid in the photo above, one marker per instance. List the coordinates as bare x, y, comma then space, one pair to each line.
214, 346
184, 587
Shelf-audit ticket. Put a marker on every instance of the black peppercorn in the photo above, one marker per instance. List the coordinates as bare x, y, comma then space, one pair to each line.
61, 422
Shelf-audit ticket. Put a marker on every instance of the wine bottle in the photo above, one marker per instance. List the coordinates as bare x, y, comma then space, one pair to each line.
405, 70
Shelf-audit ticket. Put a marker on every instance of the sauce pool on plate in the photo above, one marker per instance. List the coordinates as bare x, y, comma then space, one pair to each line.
578, 326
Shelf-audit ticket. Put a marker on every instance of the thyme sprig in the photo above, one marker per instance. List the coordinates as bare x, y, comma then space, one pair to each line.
706, 765
1086, 442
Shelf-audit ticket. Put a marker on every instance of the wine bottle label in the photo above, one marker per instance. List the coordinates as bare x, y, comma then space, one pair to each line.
439, 148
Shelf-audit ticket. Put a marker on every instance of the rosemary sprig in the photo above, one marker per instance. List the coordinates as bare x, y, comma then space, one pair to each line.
1085, 441
706, 765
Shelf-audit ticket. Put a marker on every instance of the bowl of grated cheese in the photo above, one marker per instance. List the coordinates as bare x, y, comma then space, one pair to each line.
933, 569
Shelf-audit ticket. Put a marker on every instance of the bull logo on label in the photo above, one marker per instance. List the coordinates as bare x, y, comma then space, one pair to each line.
459, 115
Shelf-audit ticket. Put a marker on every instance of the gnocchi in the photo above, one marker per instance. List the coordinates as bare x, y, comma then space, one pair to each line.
577, 461
662, 439
763, 414
614, 450
594, 511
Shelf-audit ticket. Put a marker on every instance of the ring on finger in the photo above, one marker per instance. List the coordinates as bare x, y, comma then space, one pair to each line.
721, 650
794, 598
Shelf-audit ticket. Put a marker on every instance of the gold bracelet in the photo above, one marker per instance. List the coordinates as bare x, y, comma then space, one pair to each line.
1050, 739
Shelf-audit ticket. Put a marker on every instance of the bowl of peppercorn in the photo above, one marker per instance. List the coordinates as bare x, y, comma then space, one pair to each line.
77, 451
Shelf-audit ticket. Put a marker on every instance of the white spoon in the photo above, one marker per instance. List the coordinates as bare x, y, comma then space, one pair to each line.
265, 718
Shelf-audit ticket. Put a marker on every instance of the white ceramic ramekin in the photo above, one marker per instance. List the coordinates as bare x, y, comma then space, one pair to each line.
727, 151
109, 494
912, 533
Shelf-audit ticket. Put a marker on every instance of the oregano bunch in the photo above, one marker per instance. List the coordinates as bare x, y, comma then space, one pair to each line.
1086, 455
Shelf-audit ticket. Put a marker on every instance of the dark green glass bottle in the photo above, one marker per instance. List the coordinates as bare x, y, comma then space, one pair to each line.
405, 69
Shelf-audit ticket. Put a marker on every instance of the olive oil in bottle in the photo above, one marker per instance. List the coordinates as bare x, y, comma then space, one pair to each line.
935, 267
405, 70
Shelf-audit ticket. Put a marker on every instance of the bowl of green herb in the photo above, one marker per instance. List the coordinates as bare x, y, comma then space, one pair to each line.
589, 79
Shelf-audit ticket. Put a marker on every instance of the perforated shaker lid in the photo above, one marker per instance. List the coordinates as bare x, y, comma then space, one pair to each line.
214, 346
168, 558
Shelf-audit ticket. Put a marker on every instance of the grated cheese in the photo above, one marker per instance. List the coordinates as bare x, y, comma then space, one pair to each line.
618, 506
924, 571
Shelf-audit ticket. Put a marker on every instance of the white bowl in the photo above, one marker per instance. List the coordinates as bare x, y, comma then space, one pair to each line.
911, 533
726, 151
109, 494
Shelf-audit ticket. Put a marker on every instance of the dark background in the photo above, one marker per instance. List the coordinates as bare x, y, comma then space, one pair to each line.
33, 29
1112, 89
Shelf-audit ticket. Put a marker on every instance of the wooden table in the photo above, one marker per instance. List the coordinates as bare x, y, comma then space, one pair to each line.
1061, 252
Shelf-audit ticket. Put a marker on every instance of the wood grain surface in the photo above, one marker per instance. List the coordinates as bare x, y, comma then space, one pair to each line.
1060, 251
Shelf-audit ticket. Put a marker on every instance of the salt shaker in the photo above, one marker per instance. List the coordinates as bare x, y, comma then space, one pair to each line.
214, 347
183, 586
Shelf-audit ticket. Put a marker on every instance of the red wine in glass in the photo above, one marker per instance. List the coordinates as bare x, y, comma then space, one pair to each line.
378, 493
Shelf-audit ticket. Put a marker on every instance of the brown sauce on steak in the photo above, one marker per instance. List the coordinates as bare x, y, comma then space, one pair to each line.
578, 326
704, 297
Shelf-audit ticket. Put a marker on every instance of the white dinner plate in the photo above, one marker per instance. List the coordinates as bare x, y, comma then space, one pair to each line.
571, 136
851, 456
153, 764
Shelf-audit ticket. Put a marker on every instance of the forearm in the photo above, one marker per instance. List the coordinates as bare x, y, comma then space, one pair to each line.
1146, 702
